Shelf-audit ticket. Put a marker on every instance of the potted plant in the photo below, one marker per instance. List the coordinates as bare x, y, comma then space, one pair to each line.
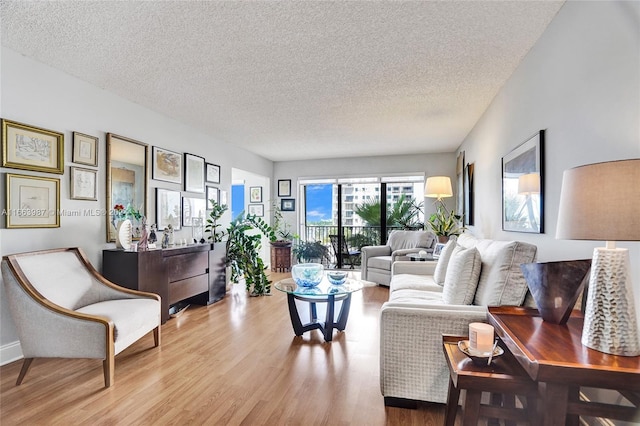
282, 236
217, 210
445, 223
311, 251
242, 253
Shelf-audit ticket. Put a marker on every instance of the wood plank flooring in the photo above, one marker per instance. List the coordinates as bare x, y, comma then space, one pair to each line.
235, 362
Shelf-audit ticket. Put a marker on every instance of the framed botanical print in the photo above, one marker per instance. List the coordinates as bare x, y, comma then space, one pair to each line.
167, 165
32, 148
193, 173
288, 204
32, 202
168, 209
84, 184
85, 149
256, 210
255, 194
213, 173
523, 186
284, 187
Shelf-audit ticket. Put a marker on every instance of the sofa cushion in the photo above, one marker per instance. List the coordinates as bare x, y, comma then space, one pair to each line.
501, 281
443, 261
410, 239
380, 262
416, 296
129, 316
462, 275
413, 282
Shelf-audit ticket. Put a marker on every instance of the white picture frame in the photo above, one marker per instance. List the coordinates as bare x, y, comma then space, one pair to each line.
84, 184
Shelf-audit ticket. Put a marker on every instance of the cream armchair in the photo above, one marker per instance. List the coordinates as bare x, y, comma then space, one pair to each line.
63, 308
377, 260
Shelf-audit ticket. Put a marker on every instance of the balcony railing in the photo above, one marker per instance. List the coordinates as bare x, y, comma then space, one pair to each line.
355, 236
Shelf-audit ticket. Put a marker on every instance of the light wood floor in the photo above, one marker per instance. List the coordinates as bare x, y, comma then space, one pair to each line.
234, 362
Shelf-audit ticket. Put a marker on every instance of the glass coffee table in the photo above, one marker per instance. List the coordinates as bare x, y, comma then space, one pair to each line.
325, 292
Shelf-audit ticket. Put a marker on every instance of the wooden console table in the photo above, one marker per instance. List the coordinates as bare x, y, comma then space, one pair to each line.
194, 272
553, 356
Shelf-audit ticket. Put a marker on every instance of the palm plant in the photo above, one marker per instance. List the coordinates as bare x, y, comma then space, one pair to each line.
403, 213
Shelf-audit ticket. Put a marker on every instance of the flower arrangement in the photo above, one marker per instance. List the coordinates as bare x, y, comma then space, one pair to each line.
121, 212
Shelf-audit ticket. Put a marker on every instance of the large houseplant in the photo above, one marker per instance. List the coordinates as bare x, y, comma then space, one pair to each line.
311, 251
242, 253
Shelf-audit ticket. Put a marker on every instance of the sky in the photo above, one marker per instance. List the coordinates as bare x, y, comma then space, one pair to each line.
319, 202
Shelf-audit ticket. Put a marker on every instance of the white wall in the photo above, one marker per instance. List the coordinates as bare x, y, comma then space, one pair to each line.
36, 94
580, 82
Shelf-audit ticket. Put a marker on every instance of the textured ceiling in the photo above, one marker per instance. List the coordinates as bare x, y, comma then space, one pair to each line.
293, 80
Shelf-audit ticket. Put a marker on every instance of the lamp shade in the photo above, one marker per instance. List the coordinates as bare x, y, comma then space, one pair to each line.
529, 184
438, 187
601, 202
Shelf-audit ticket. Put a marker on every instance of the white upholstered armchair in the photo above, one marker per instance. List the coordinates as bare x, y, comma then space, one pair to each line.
63, 308
377, 260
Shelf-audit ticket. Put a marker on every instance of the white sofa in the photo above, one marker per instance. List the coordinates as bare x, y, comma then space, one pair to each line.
377, 260
413, 320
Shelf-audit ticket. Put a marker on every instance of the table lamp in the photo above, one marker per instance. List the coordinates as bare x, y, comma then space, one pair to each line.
602, 202
438, 187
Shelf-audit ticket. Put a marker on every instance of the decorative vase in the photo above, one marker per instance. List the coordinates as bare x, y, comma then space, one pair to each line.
123, 234
307, 274
556, 286
443, 239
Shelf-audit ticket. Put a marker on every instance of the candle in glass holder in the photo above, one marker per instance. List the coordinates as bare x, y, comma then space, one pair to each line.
481, 336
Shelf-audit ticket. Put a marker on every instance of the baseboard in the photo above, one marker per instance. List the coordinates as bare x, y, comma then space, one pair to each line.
10, 352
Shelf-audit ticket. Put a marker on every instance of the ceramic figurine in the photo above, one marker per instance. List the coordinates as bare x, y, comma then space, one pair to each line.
152, 234
143, 243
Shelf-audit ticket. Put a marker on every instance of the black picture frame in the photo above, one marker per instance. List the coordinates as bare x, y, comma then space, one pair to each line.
523, 186
166, 165
194, 173
284, 187
468, 194
288, 204
212, 173
213, 193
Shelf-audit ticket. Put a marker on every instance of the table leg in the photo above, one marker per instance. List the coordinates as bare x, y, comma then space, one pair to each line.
313, 313
471, 408
328, 323
554, 403
452, 404
298, 329
344, 313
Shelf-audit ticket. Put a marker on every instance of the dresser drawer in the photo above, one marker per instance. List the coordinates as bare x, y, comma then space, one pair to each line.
179, 290
186, 265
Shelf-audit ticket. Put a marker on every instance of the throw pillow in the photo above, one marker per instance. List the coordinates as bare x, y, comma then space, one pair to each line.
462, 276
440, 272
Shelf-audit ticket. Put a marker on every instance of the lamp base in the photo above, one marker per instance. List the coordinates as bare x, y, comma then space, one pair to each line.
610, 318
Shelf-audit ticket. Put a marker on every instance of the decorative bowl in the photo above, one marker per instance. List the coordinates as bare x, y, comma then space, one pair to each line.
307, 274
478, 357
337, 277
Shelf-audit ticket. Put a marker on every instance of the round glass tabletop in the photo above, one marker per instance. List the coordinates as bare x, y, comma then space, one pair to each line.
325, 288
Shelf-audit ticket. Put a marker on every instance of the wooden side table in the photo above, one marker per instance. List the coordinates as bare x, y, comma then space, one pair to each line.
554, 356
281, 258
503, 377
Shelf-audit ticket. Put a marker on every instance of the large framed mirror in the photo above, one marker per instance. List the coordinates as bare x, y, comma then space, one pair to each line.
127, 179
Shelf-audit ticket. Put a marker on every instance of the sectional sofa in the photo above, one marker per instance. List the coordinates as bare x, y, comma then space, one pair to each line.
427, 301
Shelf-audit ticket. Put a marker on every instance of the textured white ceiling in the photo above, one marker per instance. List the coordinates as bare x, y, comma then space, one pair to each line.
293, 80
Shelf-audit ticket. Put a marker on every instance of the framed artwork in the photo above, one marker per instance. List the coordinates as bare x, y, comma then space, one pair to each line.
437, 250
255, 194
460, 189
523, 186
284, 188
213, 193
168, 209
223, 198
32, 202
193, 173
193, 208
213, 173
468, 194
167, 165
84, 184
85, 149
31, 148
288, 204
256, 209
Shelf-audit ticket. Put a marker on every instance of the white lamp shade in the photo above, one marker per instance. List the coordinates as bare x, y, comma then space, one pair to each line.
438, 187
601, 202
529, 184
